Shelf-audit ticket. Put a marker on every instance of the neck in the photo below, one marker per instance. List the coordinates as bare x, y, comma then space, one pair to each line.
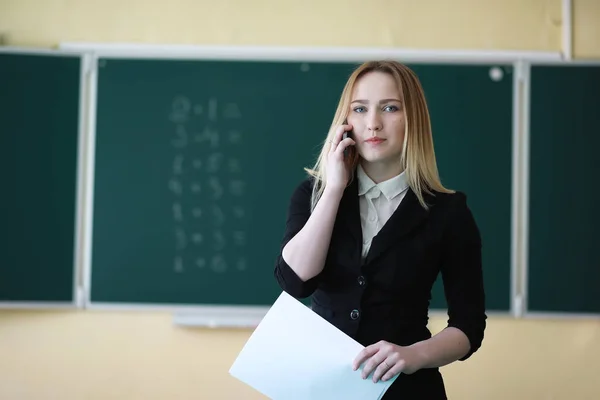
381, 171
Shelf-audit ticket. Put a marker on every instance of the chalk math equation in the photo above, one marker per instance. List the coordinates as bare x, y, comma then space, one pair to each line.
206, 185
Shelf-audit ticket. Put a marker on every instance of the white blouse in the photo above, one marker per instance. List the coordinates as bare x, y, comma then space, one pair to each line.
375, 209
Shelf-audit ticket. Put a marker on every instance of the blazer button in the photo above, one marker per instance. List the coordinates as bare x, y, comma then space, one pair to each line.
361, 280
354, 314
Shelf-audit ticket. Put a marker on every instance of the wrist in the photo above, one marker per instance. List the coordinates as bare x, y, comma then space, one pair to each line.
421, 353
333, 192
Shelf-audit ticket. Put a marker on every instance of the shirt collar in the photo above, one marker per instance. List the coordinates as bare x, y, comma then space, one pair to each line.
390, 188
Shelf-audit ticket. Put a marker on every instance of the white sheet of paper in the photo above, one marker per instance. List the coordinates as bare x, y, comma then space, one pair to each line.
295, 354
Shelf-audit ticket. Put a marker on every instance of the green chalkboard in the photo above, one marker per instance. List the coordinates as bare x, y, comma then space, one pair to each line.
471, 113
195, 164
39, 115
564, 217
196, 160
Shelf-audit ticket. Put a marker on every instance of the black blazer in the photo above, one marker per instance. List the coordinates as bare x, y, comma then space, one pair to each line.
387, 297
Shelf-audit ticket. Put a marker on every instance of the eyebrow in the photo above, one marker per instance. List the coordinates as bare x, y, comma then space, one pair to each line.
380, 101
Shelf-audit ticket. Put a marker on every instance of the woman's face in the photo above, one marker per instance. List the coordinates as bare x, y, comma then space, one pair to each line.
377, 118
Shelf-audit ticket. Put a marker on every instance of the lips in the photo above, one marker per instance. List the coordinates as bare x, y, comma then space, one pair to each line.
374, 140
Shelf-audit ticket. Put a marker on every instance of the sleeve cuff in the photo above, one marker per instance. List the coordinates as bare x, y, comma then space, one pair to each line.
474, 336
290, 282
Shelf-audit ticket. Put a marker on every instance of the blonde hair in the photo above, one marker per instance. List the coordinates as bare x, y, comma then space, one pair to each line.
418, 155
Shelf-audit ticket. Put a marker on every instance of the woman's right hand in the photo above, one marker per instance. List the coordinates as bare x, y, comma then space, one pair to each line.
338, 169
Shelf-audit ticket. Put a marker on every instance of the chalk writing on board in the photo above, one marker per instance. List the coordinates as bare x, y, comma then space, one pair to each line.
206, 184
236, 187
178, 264
218, 215
212, 109
234, 165
238, 211
197, 238
216, 187
235, 137
181, 139
219, 240
177, 212
180, 109
209, 135
241, 264
214, 162
196, 187
239, 238
175, 187
182, 106
178, 165
181, 238
218, 264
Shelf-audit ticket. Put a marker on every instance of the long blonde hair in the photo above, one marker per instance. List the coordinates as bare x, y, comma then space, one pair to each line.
418, 155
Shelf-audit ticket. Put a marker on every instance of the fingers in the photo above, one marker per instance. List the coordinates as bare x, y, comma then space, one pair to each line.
374, 363
373, 355
388, 366
385, 369
364, 355
344, 144
337, 137
379, 359
395, 370
382, 368
339, 132
341, 146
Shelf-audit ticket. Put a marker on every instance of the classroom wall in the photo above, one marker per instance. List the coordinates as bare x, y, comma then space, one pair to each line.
74, 355
438, 24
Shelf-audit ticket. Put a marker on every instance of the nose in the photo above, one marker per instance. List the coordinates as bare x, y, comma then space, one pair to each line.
374, 122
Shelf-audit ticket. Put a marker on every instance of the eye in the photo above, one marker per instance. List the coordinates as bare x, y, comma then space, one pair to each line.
391, 108
359, 109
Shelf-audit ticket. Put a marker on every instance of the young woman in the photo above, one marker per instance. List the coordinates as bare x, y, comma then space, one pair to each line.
371, 228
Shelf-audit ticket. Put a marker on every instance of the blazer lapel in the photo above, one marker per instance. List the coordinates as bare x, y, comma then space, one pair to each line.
348, 230
349, 212
409, 215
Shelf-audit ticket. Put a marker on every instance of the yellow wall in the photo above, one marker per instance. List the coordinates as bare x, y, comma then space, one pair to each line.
439, 24
141, 355
586, 29
135, 355
515, 24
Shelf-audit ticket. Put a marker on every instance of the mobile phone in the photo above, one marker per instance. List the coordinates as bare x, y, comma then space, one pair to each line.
350, 151
347, 134
344, 136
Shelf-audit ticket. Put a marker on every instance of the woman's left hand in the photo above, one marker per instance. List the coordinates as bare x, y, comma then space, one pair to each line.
386, 359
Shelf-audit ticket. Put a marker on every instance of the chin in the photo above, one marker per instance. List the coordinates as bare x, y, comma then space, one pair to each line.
381, 158
373, 158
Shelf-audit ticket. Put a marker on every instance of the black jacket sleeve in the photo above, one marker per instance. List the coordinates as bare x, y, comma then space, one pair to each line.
297, 215
462, 274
